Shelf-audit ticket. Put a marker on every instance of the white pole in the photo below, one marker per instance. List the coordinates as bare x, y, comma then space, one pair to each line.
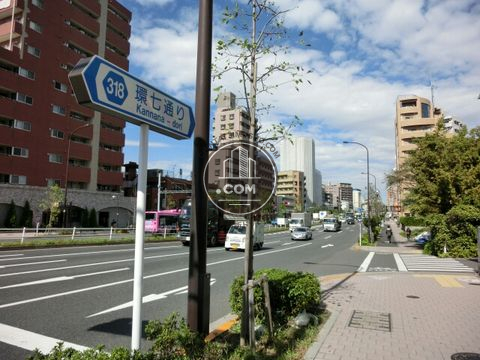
139, 239
73, 232
36, 231
164, 232
111, 232
360, 235
23, 235
159, 191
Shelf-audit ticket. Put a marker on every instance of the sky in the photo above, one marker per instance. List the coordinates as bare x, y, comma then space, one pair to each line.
362, 55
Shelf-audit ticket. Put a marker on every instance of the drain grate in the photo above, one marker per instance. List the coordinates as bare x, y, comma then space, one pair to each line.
371, 320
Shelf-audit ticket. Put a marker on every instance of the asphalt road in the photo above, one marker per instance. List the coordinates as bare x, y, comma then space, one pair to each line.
82, 295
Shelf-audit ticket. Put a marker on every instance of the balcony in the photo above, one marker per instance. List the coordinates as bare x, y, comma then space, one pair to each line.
112, 137
91, 6
5, 29
110, 178
418, 121
78, 174
83, 41
87, 21
117, 59
119, 24
80, 151
110, 157
119, 42
7, 12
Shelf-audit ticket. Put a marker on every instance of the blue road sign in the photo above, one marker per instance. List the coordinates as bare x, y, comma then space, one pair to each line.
105, 87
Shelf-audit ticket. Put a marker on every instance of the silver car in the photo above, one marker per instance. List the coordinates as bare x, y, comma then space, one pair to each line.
301, 233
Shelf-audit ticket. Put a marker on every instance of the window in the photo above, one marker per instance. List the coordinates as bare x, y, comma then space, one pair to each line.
36, 27
56, 133
222, 117
51, 182
4, 178
425, 110
230, 126
22, 125
38, 3
59, 86
33, 51
18, 179
6, 122
231, 116
26, 73
217, 172
222, 127
55, 158
24, 99
57, 109
217, 161
67, 67
16, 151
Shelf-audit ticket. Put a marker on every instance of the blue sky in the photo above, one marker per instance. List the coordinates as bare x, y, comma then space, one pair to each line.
363, 53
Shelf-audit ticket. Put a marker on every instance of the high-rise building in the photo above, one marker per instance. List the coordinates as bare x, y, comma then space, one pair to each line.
46, 137
290, 185
357, 199
300, 156
318, 188
338, 193
414, 118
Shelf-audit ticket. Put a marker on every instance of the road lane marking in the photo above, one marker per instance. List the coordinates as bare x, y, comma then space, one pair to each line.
400, 264
61, 278
11, 255
91, 288
146, 299
327, 237
366, 262
328, 245
83, 253
30, 341
286, 244
32, 263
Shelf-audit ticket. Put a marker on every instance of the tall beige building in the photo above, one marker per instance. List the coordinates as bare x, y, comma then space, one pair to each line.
415, 116
291, 184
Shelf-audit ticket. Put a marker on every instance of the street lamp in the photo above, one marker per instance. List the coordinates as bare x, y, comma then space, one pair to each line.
368, 187
66, 172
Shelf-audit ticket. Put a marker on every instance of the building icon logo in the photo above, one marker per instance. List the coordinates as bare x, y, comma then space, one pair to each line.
240, 178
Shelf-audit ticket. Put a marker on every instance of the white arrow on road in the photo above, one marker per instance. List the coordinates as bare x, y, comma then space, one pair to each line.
328, 245
147, 299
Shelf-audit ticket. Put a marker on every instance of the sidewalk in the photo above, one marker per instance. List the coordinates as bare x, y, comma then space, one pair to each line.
398, 315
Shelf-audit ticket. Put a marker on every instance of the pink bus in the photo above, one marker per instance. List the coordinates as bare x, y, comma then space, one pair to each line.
162, 221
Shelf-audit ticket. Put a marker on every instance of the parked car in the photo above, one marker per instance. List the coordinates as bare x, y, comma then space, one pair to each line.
422, 238
302, 233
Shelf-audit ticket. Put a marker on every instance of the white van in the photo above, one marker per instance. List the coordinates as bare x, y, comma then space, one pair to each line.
331, 224
237, 235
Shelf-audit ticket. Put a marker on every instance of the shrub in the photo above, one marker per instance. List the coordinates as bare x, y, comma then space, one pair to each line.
455, 230
290, 294
412, 221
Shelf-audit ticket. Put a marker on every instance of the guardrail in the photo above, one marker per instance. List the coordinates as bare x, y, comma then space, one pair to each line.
49, 233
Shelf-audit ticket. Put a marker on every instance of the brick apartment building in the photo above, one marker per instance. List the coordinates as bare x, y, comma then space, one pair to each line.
46, 138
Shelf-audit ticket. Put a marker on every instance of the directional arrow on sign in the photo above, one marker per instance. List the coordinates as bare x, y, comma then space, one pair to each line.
105, 87
147, 299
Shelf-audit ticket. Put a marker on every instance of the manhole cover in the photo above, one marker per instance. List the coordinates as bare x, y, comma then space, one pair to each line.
465, 356
371, 320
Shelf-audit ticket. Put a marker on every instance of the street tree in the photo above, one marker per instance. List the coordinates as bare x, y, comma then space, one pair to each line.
254, 52
11, 218
52, 203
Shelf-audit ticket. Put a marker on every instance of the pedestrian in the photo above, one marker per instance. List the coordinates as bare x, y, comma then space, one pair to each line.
389, 233
408, 232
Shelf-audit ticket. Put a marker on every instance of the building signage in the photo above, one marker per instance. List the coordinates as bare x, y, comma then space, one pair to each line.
105, 87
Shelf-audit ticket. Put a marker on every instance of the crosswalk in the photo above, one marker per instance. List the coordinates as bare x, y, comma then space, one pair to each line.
419, 262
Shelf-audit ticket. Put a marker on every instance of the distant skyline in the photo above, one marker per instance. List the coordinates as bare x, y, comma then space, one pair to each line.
363, 55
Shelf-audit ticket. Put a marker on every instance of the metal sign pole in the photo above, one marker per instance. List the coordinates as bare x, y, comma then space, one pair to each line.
139, 239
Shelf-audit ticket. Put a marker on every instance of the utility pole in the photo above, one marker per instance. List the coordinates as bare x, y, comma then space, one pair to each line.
198, 279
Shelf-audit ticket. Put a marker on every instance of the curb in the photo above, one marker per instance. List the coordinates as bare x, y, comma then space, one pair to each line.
313, 350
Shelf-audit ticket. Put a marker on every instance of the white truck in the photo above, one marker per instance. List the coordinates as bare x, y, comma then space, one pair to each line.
300, 220
237, 235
